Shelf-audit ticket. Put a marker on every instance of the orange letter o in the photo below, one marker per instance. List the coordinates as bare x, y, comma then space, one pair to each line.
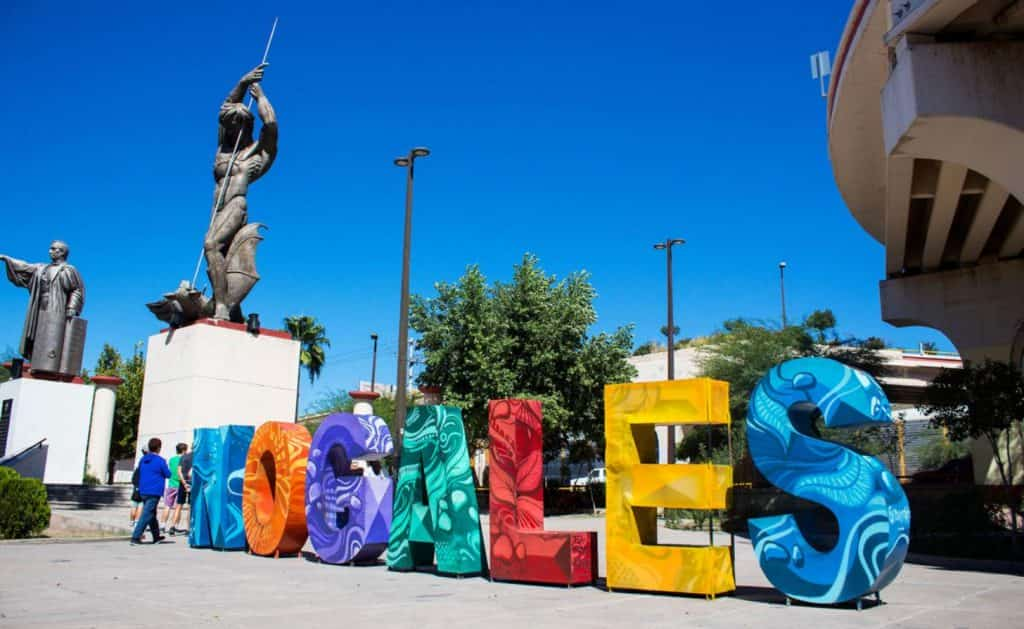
273, 506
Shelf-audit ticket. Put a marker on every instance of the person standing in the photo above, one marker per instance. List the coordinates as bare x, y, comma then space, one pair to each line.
184, 474
136, 496
171, 493
153, 472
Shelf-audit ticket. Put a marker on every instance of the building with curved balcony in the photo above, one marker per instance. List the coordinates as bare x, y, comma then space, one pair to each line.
926, 137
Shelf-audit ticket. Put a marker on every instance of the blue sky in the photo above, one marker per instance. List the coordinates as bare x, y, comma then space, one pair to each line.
580, 133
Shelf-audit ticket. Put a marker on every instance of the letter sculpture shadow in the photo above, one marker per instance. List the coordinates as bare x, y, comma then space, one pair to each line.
349, 516
868, 502
521, 550
435, 501
638, 486
275, 474
218, 467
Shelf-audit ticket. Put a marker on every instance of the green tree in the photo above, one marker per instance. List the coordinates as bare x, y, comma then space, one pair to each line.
821, 321
874, 342
339, 401
527, 338
312, 336
936, 451
650, 347
5, 356
981, 401
743, 352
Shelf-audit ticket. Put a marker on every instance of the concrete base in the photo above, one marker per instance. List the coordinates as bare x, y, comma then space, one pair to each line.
213, 373
56, 411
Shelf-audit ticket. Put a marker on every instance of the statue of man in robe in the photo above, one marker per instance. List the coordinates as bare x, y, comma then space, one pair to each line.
56, 295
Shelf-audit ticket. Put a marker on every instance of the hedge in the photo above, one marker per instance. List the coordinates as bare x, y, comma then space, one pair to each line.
24, 511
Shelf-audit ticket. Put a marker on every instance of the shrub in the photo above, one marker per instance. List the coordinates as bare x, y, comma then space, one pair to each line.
24, 511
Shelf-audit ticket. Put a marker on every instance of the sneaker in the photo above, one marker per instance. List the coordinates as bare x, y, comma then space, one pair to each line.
159, 539
136, 541
175, 531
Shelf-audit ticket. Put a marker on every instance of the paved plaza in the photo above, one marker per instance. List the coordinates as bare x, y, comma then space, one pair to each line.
111, 584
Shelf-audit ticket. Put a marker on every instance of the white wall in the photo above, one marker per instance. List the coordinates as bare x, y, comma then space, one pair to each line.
56, 411
206, 375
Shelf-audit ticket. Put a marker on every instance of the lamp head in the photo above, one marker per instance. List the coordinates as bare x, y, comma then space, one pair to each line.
660, 246
420, 151
402, 161
373, 337
782, 265
677, 241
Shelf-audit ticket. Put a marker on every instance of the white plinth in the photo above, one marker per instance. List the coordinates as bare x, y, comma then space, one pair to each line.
213, 373
56, 411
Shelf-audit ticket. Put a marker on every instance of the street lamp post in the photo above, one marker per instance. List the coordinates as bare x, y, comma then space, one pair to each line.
782, 289
670, 332
373, 369
408, 162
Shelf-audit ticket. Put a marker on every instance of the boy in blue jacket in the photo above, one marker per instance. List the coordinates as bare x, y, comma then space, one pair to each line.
153, 472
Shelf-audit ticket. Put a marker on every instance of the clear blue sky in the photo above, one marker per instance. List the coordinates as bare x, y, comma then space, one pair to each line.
581, 133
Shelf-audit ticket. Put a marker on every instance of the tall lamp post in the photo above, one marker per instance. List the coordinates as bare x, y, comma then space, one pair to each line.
408, 162
373, 369
670, 332
782, 289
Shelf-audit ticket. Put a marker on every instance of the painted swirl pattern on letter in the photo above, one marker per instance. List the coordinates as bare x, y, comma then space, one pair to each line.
868, 502
435, 501
349, 516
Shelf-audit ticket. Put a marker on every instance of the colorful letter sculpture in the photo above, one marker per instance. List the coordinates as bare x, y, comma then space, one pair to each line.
868, 502
215, 518
349, 516
275, 475
521, 550
637, 486
435, 501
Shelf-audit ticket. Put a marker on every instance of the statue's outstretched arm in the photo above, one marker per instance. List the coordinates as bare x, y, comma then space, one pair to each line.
237, 93
19, 272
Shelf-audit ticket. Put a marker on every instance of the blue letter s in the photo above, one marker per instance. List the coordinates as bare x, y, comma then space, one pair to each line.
868, 502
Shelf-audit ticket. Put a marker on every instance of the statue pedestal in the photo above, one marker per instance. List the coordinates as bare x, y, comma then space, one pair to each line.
59, 412
213, 373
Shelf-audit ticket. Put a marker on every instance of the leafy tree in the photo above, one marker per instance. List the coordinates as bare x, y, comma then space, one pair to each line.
527, 338
339, 401
937, 450
675, 331
650, 347
312, 336
6, 355
743, 352
874, 342
821, 321
929, 348
981, 401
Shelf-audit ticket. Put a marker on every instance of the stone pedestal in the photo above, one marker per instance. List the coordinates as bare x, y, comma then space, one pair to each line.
213, 373
58, 412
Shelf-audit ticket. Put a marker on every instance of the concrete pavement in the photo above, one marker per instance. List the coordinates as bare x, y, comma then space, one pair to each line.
110, 584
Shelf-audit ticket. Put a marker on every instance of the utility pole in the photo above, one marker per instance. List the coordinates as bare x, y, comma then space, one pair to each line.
670, 332
408, 162
782, 289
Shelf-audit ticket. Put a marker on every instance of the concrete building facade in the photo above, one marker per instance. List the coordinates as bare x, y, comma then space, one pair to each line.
926, 137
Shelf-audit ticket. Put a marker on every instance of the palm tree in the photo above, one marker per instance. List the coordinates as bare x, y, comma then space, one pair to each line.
312, 336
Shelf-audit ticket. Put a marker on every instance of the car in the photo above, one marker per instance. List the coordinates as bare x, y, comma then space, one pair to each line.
596, 476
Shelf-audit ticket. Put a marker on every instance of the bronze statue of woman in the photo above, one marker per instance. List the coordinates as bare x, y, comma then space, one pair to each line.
229, 244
